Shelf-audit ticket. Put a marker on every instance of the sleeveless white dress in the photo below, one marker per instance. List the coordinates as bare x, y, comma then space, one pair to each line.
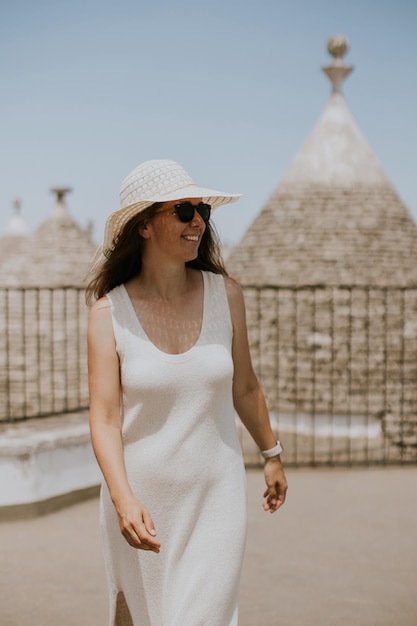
184, 463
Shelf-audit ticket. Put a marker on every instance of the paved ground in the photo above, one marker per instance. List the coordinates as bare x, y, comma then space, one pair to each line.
342, 552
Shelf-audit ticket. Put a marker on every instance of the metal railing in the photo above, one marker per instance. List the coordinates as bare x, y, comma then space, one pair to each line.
43, 356
338, 365
339, 369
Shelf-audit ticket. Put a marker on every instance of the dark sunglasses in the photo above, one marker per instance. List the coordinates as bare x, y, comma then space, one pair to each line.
185, 211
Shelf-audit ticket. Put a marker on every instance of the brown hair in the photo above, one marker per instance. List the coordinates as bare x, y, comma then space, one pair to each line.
125, 260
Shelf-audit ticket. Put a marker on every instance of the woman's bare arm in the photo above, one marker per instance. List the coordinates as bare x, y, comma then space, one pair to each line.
249, 400
106, 428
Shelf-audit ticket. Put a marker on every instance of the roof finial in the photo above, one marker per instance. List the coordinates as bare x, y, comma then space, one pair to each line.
337, 72
17, 204
60, 211
61, 192
16, 226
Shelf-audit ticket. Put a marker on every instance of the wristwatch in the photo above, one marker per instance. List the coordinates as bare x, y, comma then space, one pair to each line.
275, 451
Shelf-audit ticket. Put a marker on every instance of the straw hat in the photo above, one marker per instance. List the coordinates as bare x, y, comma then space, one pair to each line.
156, 181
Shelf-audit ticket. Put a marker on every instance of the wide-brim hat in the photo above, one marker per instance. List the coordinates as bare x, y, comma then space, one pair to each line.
156, 181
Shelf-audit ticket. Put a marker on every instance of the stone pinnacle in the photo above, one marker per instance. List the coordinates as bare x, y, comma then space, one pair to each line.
337, 46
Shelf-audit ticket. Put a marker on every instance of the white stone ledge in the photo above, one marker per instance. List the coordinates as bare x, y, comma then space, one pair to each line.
44, 459
48, 463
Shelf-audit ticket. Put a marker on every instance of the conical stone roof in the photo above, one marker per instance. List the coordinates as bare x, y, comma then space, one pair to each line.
16, 226
57, 254
15, 234
334, 219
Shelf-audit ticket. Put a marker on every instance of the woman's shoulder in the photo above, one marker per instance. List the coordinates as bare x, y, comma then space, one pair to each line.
233, 289
216, 276
99, 311
99, 320
101, 303
115, 295
108, 300
235, 299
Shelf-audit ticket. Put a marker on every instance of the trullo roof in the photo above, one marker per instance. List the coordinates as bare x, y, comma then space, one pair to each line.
57, 254
12, 242
334, 218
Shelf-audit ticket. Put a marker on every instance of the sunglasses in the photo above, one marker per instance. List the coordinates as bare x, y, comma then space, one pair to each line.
185, 211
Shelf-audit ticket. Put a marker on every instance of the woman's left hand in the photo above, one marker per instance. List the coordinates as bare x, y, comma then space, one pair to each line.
277, 486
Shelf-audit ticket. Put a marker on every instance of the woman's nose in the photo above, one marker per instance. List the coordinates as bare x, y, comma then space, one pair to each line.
197, 219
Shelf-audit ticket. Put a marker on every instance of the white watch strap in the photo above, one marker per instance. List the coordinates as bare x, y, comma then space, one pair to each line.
275, 451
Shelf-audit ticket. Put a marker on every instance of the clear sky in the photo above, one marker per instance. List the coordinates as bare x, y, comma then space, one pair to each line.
228, 88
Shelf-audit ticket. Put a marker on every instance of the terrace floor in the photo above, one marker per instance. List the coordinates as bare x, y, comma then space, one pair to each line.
341, 552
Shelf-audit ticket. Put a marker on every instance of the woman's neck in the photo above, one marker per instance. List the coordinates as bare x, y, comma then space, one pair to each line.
165, 282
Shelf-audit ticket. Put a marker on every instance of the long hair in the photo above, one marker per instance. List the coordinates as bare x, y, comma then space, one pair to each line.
125, 260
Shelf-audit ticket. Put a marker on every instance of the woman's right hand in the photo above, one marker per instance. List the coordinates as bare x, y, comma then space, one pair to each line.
137, 527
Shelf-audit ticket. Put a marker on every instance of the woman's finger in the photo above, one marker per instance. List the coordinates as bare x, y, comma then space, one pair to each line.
137, 535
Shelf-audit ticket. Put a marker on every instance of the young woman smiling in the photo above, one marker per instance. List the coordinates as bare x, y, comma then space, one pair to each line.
169, 365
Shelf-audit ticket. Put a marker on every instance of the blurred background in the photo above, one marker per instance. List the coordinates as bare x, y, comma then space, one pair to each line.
325, 247
230, 89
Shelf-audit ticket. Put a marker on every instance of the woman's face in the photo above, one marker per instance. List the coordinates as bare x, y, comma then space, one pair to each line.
168, 233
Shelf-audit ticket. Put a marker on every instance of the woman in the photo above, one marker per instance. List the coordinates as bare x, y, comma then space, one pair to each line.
168, 364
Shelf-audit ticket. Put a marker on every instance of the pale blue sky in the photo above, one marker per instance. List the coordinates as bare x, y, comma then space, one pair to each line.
230, 89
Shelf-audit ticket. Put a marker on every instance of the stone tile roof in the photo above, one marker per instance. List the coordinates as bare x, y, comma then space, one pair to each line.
57, 254
15, 234
329, 236
335, 153
334, 218
16, 226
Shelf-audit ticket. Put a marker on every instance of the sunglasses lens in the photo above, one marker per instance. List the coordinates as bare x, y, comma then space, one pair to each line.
185, 211
204, 210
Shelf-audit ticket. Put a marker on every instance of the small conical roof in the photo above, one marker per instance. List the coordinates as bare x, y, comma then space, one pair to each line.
16, 226
15, 234
334, 218
57, 254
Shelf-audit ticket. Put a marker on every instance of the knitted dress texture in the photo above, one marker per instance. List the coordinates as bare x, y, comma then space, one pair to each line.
184, 463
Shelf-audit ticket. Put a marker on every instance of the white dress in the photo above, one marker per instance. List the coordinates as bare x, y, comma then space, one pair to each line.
184, 463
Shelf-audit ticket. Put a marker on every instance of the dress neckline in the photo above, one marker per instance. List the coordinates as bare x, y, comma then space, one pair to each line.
173, 355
